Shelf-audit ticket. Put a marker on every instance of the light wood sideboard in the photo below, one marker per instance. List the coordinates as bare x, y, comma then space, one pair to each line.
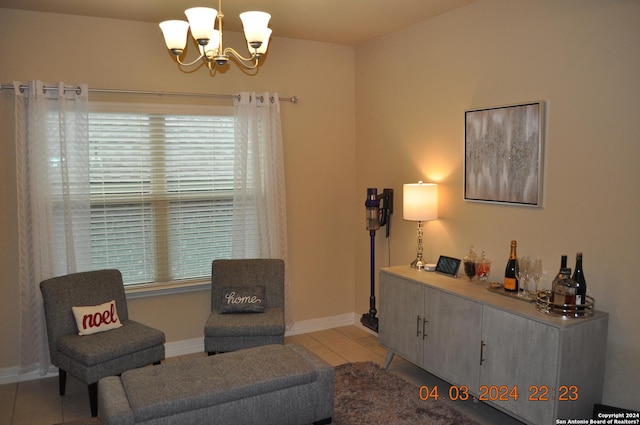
495, 347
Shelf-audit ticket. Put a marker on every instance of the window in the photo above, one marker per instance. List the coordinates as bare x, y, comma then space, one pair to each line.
161, 180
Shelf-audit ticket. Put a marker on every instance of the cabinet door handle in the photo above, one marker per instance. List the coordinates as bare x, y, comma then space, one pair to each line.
418, 326
482, 344
424, 333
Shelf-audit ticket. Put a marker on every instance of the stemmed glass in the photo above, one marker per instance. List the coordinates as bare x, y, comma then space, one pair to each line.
536, 272
524, 273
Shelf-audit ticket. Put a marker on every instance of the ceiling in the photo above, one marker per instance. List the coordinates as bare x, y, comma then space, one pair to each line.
349, 22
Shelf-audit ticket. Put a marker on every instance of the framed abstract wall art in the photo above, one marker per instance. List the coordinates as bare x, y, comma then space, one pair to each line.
504, 154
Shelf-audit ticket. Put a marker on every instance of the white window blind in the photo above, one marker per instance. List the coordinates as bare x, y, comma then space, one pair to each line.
161, 182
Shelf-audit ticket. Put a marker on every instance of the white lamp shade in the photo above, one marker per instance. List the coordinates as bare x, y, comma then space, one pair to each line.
420, 201
202, 20
255, 25
175, 34
265, 44
211, 49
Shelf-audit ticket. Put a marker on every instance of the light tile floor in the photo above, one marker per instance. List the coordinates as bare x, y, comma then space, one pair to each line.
37, 402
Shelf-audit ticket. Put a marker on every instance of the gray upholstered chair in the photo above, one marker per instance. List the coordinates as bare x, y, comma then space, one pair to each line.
234, 331
92, 357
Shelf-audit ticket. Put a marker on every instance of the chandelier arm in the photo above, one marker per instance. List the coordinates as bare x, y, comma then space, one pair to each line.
249, 63
196, 60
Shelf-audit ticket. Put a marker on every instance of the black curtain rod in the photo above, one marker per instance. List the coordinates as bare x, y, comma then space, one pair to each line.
292, 99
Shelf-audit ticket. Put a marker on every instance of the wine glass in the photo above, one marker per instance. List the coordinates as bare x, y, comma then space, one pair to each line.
524, 273
537, 272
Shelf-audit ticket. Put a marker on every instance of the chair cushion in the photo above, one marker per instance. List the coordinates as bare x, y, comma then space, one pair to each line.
182, 386
242, 299
271, 322
96, 318
101, 347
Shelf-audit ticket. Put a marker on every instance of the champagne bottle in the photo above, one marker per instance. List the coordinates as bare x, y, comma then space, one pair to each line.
578, 276
511, 271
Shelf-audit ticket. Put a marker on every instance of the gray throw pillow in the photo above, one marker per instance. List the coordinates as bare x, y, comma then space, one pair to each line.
242, 299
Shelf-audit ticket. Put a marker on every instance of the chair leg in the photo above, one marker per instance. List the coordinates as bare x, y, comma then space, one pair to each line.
93, 399
62, 381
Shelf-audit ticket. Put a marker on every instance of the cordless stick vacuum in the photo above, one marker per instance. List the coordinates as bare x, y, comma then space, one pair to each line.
379, 210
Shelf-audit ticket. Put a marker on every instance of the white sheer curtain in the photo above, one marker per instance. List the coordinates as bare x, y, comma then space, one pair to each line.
259, 207
53, 201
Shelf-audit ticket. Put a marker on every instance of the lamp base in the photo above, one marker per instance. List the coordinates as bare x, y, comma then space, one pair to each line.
370, 321
418, 264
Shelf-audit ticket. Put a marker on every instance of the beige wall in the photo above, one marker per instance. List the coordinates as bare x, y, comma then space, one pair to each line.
580, 57
319, 134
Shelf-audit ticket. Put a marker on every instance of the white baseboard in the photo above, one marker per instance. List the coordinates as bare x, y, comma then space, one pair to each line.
196, 345
9, 375
323, 323
181, 348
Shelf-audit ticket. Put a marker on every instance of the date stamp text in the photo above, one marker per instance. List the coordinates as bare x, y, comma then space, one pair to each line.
535, 393
502, 393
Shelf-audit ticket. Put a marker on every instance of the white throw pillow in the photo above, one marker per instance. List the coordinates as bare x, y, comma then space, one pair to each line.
96, 318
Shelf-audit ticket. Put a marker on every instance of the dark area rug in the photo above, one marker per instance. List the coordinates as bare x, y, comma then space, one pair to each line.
367, 394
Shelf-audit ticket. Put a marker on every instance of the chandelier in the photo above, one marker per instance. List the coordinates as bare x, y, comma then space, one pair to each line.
202, 22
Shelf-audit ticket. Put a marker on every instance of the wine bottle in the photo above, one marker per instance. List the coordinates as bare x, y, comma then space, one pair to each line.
564, 288
511, 271
558, 278
578, 276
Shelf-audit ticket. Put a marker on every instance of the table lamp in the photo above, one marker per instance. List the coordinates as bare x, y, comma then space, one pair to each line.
419, 203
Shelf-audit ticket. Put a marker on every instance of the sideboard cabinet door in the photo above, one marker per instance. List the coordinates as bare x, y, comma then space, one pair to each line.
452, 342
402, 317
520, 354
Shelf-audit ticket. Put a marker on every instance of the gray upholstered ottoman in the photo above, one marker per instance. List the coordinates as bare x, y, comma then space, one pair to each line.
272, 384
